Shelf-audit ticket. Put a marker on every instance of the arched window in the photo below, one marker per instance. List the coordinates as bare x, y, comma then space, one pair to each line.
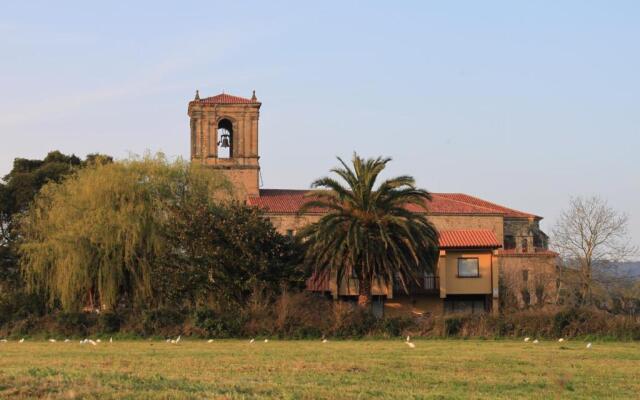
225, 138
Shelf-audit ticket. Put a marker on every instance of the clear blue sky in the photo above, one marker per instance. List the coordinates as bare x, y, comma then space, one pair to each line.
522, 103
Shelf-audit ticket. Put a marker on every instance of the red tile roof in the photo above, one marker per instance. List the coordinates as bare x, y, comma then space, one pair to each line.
224, 98
286, 201
465, 198
468, 239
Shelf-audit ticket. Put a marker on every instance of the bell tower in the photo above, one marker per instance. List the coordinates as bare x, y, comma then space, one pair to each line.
224, 136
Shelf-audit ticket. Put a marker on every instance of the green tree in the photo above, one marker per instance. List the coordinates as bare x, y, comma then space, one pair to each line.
17, 191
222, 253
373, 232
94, 237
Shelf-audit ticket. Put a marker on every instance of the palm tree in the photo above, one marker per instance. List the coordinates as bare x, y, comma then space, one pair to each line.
370, 232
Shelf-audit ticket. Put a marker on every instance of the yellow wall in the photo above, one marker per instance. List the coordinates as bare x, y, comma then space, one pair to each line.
452, 284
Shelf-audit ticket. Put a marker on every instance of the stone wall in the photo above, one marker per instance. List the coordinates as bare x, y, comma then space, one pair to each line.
535, 287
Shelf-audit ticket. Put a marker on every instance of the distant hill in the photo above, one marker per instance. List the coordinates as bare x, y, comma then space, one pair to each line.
631, 269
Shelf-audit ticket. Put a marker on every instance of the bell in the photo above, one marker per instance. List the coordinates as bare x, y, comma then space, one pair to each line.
225, 141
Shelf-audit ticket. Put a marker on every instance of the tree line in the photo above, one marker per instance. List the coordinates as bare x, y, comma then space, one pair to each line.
157, 239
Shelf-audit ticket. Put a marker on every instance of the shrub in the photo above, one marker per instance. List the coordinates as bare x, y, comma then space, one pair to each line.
162, 321
221, 325
351, 321
453, 325
108, 322
73, 323
394, 326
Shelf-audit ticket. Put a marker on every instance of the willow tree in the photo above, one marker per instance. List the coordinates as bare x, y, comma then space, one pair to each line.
370, 230
93, 238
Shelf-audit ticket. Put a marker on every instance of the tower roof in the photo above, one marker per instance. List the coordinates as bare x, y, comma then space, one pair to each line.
224, 98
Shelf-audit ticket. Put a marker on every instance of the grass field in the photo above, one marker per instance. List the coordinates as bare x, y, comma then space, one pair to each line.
309, 369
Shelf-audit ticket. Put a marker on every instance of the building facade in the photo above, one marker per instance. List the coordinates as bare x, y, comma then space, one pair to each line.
487, 251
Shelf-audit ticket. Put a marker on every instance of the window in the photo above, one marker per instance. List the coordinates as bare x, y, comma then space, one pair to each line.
525, 275
290, 233
468, 268
526, 297
225, 139
509, 242
525, 245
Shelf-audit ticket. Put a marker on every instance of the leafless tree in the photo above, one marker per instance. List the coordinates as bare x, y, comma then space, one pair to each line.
590, 235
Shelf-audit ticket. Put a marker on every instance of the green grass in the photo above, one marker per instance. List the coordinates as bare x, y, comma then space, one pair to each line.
458, 369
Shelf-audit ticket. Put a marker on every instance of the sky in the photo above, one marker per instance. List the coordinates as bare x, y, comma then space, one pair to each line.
521, 103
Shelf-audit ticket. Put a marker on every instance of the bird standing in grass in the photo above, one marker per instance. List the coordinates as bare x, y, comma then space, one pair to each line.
324, 340
411, 345
111, 340
52, 340
527, 339
536, 341
21, 340
266, 340
560, 340
251, 341
210, 341
589, 345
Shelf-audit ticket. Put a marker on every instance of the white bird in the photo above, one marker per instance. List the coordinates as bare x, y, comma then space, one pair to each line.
178, 339
52, 340
66, 340
266, 340
21, 340
168, 340
589, 345
98, 340
411, 345
110, 340
408, 339
92, 342
251, 341
3, 340
536, 341
527, 339
324, 340
210, 341
560, 340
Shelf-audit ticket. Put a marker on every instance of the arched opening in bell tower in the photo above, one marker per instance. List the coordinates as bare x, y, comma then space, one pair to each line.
225, 138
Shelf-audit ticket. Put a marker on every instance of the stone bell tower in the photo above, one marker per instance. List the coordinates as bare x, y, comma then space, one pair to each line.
224, 136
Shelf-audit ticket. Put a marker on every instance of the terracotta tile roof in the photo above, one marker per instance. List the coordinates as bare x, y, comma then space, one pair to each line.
468, 239
465, 198
287, 201
224, 98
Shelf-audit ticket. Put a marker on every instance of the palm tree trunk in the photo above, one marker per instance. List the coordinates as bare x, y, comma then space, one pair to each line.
364, 293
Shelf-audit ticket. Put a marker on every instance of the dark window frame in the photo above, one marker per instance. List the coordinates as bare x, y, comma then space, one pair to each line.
509, 242
477, 267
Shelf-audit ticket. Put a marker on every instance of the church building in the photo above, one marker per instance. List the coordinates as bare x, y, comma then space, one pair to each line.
486, 250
